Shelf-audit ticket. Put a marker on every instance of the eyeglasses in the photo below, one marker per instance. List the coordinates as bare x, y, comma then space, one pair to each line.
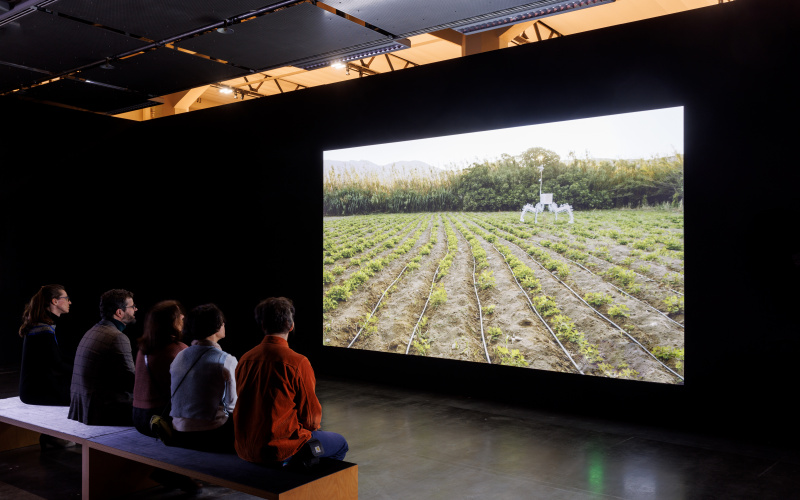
63, 297
132, 305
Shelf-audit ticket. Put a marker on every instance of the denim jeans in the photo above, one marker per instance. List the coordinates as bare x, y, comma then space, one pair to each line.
333, 444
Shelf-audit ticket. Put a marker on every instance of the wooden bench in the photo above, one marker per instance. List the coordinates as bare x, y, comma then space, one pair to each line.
118, 460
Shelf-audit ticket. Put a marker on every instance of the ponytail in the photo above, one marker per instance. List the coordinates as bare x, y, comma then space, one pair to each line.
37, 309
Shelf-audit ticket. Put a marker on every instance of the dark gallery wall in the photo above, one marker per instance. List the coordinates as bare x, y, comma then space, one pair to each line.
223, 205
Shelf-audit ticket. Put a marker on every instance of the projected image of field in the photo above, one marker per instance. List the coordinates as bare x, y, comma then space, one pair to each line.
436, 262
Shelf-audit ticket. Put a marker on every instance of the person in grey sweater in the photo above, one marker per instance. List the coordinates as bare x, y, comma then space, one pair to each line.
203, 385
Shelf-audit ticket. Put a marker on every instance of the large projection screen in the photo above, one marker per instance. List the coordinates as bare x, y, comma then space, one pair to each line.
555, 247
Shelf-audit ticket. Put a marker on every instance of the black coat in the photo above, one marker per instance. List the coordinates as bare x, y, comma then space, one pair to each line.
44, 377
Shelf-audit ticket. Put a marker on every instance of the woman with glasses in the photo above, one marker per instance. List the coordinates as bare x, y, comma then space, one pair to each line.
44, 376
158, 346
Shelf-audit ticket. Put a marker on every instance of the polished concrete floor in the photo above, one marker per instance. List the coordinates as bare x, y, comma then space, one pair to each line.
409, 444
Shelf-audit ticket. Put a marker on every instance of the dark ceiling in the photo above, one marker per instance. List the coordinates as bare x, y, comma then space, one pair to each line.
152, 48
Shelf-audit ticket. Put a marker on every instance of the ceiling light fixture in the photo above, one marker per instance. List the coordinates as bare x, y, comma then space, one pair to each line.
224, 29
226, 90
107, 64
525, 13
342, 59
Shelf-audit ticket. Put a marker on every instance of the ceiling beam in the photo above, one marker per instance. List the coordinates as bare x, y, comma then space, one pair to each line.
189, 98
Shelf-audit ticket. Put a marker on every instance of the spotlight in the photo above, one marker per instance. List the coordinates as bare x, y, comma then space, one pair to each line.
224, 29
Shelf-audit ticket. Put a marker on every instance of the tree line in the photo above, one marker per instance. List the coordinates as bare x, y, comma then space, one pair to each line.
510, 182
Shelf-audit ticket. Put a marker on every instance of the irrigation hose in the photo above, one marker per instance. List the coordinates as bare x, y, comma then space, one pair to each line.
376, 306
480, 310
602, 316
433, 282
533, 308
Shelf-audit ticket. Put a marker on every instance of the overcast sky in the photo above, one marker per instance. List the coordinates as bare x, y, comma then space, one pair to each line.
643, 134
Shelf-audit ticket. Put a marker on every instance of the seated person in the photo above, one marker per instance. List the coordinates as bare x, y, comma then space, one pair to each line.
101, 392
44, 376
278, 412
203, 385
158, 346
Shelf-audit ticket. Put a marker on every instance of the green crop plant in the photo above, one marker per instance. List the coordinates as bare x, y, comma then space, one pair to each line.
653, 257
619, 311
531, 284
602, 252
621, 371
564, 328
562, 270
489, 310
674, 304
494, 333
421, 345
438, 295
328, 304
338, 270
576, 255
339, 293
486, 280
327, 277
644, 268
444, 266
673, 278
622, 276
370, 327
358, 278
598, 299
667, 353
545, 305
510, 357
646, 244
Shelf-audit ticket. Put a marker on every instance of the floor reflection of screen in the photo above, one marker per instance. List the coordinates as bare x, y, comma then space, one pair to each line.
554, 246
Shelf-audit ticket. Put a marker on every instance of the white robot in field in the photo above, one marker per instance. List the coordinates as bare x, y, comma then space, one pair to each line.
545, 200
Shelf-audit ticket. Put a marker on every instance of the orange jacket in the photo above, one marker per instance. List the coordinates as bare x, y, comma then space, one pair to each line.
277, 407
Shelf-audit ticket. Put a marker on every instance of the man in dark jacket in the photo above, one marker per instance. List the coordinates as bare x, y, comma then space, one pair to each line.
102, 379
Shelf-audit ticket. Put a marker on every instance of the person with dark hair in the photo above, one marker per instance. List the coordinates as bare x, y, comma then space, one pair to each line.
158, 346
102, 379
44, 376
278, 412
203, 385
